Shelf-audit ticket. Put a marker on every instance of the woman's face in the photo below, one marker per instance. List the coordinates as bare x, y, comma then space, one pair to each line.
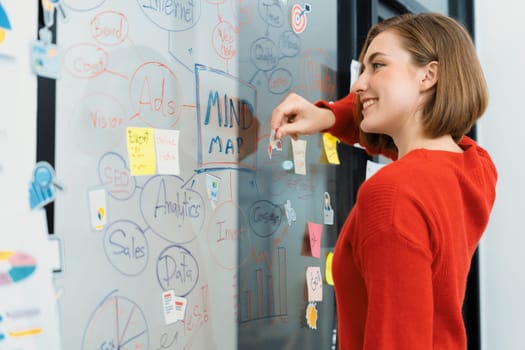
389, 87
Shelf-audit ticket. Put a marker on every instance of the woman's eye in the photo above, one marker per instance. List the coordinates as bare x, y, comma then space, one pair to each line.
377, 65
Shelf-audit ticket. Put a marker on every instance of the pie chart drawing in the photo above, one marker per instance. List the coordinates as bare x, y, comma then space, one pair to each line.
117, 323
15, 267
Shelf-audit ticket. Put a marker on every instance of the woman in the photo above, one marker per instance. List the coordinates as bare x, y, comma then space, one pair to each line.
401, 261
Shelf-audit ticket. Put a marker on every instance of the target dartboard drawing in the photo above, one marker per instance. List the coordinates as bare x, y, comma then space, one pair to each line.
298, 19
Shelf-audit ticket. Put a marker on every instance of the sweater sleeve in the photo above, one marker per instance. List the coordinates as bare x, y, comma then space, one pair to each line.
345, 128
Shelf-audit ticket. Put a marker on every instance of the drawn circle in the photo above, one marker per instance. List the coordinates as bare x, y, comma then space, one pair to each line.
271, 13
177, 270
85, 60
173, 16
225, 40
265, 218
264, 54
109, 28
280, 81
155, 94
298, 19
115, 175
289, 44
171, 211
126, 247
117, 323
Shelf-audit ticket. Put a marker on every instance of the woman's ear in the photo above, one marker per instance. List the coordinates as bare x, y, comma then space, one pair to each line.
430, 76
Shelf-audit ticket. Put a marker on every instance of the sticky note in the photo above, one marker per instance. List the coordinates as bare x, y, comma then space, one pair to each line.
299, 156
314, 282
167, 149
97, 209
315, 231
328, 212
174, 307
355, 67
212, 186
330, 148
274, 144
141, 151
328, 269
45, 59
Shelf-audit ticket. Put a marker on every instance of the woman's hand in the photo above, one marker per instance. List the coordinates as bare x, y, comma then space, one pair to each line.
296, 116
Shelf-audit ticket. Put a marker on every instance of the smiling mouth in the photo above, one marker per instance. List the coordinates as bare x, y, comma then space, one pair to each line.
368, 103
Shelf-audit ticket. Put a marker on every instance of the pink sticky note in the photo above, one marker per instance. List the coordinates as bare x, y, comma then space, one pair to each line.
315, 231
314, 281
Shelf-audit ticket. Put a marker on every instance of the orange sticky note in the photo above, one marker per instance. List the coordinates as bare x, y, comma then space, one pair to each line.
315, 231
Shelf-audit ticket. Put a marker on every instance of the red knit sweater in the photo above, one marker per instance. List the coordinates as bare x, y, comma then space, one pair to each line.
402, 258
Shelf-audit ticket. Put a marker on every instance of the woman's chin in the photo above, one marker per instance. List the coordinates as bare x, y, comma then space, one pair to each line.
369, 129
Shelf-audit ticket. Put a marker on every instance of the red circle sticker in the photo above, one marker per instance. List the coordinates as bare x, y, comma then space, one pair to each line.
298, 19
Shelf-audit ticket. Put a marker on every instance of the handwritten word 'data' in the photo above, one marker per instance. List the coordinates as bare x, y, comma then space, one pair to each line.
177, 269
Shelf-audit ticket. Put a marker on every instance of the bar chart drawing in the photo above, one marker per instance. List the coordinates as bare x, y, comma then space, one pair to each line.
266, 298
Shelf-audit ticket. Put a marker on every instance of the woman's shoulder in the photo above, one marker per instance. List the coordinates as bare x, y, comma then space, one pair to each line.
407, 176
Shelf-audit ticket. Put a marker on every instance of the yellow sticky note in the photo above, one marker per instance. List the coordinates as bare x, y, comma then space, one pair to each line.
141, 151
328, 269
330, 148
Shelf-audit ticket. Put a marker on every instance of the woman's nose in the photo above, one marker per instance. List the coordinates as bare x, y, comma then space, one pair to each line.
360, 84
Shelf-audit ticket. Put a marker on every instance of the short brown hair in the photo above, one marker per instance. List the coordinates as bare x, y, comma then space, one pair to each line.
460, 96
